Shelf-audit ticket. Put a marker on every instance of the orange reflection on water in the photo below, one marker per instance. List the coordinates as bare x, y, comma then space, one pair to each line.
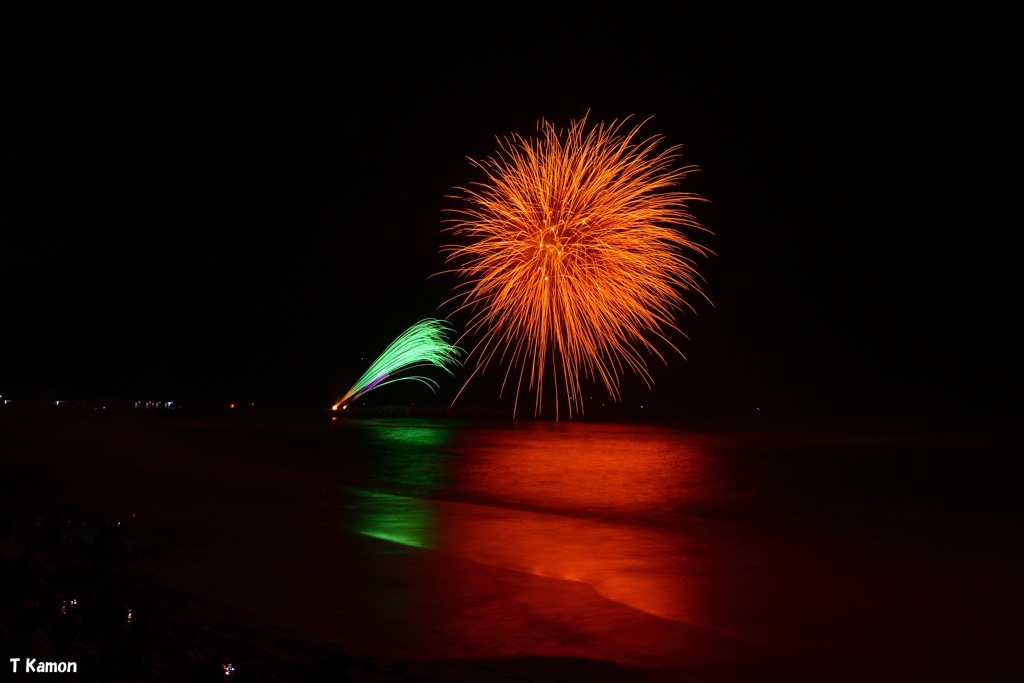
588, 487
642, 568
618, 470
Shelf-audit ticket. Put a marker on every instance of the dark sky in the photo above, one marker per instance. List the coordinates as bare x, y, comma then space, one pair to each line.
249, 208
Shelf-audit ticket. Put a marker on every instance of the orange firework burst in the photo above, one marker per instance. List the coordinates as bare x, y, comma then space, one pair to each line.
574, 258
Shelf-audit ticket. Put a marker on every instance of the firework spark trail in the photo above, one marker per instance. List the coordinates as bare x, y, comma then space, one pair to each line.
573, 261
425, 343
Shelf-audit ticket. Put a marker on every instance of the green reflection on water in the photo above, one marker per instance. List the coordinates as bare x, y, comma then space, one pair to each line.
399, 519
408, 456
405, 456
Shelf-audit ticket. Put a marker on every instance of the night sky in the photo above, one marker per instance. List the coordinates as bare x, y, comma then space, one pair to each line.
249, 209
